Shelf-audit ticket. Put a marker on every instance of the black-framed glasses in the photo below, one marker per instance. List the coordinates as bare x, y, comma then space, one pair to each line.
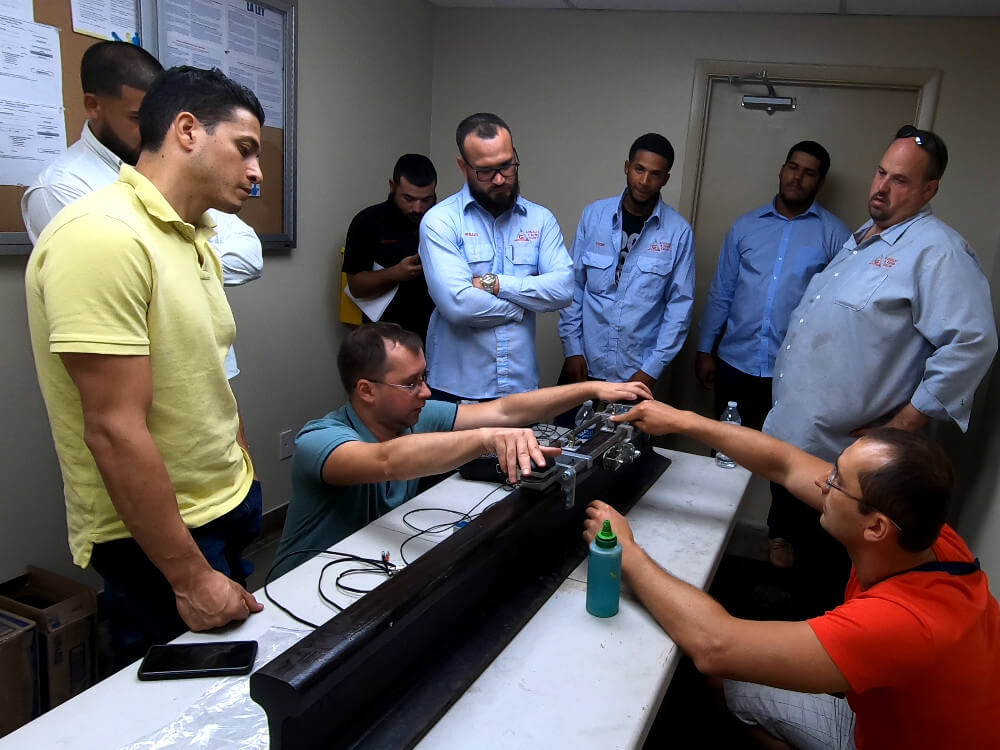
834, 486
487, 174
408, 387
929, 142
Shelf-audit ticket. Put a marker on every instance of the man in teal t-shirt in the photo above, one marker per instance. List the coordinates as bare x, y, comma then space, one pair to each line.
363, 460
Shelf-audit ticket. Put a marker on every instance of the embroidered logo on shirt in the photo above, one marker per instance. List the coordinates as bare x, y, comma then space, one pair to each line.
660, 247
883, 262
527, 235
471, 234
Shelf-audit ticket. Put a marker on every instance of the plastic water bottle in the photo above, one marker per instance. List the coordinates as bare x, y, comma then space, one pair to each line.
729, 415
604, 573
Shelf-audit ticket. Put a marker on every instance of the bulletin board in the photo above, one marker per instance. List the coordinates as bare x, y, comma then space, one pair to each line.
163, 33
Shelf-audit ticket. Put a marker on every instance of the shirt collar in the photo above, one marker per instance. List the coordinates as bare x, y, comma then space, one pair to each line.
156, 205
771, 209
468, 200
893, 233
657, 214
99, 150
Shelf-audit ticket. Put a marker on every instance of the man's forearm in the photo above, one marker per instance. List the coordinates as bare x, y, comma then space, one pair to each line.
423, 454
909, 418
372, 283
429, 453
142, 494
692, 618
544, 404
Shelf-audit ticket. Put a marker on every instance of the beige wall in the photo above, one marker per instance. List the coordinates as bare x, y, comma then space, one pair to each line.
380, 77
363, 99
577, 87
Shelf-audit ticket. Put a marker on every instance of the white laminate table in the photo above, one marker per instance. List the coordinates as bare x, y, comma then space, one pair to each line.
567, 680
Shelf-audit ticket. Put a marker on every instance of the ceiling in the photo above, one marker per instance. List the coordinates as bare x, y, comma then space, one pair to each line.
956, 8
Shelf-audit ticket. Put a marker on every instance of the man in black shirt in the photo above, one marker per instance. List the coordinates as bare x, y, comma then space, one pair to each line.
381, 249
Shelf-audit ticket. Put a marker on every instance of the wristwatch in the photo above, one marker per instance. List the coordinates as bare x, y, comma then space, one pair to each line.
489, 282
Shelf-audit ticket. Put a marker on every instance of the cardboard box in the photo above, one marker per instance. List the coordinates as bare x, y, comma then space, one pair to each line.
19, 688
64, 612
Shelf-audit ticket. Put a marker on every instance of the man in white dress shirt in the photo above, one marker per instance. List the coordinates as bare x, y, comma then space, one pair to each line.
115, 77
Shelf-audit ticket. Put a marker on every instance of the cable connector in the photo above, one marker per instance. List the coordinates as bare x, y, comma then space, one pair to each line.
390, 569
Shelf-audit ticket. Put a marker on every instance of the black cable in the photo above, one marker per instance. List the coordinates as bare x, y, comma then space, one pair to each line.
383, 566
464, 517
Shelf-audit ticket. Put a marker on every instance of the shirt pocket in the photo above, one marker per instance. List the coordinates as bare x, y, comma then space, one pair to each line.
597, 267
479, 257
651, 279
859, 292
524, 257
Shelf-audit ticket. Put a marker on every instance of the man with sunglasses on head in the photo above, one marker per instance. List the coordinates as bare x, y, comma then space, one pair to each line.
492, 261
897, 330
633, 260
364, 459
916, 644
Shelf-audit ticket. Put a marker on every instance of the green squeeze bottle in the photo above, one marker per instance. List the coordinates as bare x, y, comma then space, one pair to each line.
604, 573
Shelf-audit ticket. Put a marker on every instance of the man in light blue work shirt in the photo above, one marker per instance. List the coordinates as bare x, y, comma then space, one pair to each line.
633, 265
766, 261
896, 331
492, 260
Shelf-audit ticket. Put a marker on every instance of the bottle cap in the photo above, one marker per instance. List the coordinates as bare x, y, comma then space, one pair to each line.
606, 538
732, 404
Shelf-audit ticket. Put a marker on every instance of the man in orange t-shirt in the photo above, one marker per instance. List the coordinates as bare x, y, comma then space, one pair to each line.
916, 645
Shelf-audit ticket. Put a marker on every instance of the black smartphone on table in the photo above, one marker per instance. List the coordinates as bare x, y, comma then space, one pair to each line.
213, 659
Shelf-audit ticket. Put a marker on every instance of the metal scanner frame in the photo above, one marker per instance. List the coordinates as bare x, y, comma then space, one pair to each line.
383, 671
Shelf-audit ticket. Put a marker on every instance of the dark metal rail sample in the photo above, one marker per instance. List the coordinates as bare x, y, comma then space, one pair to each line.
382, 672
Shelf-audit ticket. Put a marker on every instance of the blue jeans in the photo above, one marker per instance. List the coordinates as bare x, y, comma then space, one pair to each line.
139, 601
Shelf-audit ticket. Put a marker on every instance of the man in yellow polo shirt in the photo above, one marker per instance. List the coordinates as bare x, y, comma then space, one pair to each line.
129, 327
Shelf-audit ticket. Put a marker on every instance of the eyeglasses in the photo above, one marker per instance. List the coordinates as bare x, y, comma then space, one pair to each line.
487, 174
408, 387
929, 142
834, 486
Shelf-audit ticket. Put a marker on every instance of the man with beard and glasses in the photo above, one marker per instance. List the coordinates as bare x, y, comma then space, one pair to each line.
381, 249
115, 77
492, 260
897, 330
766, 261
633, 262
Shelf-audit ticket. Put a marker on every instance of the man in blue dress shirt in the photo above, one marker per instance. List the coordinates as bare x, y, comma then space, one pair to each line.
492, 261
633, 265
766, 261
896, 331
